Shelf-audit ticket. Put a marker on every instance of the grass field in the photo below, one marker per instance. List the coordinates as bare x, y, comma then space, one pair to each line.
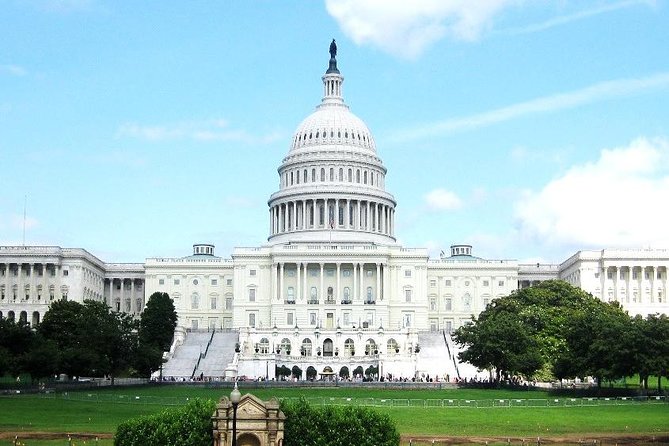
97, 414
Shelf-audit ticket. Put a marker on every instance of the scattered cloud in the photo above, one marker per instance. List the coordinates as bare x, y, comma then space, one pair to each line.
618, 200
580, 15
13, 70
408, 28
442, 200
213, 130
594, 93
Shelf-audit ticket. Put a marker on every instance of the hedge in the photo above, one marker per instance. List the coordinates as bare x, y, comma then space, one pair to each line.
307, 425
189, 425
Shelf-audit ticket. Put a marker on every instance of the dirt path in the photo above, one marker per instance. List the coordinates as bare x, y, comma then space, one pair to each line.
592, 439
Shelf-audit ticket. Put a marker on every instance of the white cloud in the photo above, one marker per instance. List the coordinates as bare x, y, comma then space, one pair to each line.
442, 200
213, 130
14, 70
580, 15
407, 28
617, 201
561, 101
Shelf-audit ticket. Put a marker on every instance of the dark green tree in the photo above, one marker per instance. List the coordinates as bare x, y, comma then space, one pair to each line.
16, 338
535, 329
156, 330
598, 343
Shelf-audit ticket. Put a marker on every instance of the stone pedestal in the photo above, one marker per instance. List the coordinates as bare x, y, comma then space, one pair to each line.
259, 423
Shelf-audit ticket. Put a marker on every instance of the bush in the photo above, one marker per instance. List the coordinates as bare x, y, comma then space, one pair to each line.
189, 425
336, 426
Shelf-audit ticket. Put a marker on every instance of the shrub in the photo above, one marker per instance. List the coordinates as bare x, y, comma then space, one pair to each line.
189, 425
306, 425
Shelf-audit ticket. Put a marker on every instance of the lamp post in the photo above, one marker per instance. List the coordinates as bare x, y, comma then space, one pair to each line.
235, 396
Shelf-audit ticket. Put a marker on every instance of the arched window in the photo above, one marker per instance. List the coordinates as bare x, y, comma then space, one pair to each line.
357, 176
306, 347
370, 347
331, 174
347, 295
313, 175
322, 174
341, 174
392, 346
195, 301
285, 346
349, 347
305, 176
291, 178
264, 346
364, 177
350, 175
327, 347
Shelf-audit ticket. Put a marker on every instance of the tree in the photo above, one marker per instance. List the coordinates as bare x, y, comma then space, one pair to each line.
598, 343
158, 321
16, 338
539, 328
91, 339
156, 330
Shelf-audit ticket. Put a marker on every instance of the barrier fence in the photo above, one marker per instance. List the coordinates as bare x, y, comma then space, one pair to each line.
374, 402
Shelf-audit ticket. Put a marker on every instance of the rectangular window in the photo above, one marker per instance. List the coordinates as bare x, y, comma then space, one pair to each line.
252, 272
596, 275
407, 273
486, 302
252, 295
228, 282
407, 295
635, 275
609, 274
252, 319
433, 305
447, 282
347, 319
622, 275
448, 304
433, 282
448, 326
213, 303
659, 274
228, 303
214, 282
177, 281
65, 272
346, 273
646, 275
290, 319
486, 283
160, 282
312, 318
500, 283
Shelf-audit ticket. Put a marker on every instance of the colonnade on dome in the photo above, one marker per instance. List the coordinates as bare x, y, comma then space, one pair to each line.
332, 214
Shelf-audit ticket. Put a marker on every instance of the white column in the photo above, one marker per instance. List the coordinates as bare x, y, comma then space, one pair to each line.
133, 305
122, 297
354, 291
368, 220
304, 278
378, 282
299, 284
347, 211
336, 293
653, 288
362, 281
322, 293
281, 281
385, 281
274, 281
304, 214
294, 215
336, 213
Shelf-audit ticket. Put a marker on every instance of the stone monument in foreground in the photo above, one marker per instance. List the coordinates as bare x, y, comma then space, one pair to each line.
259, 423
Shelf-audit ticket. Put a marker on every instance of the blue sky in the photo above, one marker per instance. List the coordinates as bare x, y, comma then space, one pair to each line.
530, 129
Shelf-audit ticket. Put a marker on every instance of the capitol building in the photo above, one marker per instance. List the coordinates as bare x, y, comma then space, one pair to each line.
331, 292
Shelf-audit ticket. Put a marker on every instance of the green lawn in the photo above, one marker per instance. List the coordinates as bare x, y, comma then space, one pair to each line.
26, 413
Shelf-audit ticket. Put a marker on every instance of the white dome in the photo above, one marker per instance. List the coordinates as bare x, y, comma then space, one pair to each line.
332, 125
